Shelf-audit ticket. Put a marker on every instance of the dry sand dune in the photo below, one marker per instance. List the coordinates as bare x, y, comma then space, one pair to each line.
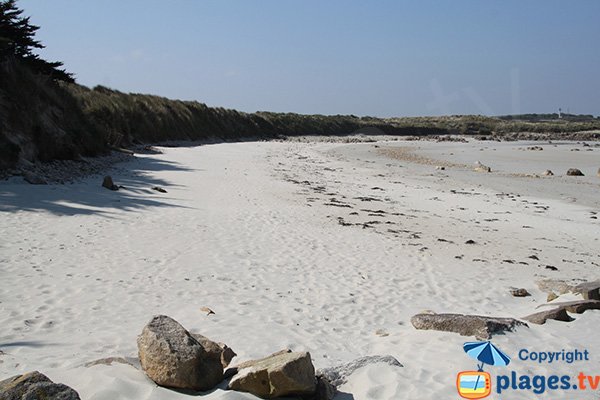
324, 247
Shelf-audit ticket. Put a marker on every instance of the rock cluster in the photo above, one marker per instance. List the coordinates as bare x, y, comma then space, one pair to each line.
559, 313
61, 171
590, 291
33, 178
484, 327
175, 358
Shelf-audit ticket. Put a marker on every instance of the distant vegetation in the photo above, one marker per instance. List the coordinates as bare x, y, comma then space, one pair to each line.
125, 119
500, 126
45, 116
551, 117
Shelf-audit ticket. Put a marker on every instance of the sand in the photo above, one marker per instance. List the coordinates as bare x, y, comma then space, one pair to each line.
266, 235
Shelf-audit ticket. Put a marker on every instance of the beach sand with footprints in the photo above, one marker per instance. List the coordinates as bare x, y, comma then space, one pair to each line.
325, 247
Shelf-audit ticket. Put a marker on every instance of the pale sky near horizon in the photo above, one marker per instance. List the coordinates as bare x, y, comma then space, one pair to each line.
380, 58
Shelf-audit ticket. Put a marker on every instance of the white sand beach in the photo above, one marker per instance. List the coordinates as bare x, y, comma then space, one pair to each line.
329, 248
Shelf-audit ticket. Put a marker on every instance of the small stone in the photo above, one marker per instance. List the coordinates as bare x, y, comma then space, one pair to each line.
159, 189
381, 333
574, 172
479, 167
216, 350
440, 168
551, 297
548, 173
108, 183
521, 292
207, 310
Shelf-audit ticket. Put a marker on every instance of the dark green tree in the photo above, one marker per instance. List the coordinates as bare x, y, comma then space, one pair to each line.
17, 39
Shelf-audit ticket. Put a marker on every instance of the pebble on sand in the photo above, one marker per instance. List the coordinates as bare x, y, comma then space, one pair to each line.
574, 172
108, 183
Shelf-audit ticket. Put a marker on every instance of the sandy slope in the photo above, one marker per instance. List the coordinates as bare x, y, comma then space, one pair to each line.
265, 235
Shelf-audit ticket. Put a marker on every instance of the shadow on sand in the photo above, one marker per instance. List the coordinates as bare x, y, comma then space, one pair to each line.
88, 197
26, 343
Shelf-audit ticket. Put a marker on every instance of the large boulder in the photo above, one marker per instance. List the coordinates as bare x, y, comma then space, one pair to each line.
577, 306
281, 374
34, 386
557, 314
481, 327
589, 290
172, 357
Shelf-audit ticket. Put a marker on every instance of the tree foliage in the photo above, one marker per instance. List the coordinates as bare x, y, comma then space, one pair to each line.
17, 39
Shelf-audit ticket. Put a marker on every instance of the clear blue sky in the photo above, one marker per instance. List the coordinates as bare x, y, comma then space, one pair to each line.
380, 58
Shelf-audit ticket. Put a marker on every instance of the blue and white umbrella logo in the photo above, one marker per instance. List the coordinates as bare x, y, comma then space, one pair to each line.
486, 353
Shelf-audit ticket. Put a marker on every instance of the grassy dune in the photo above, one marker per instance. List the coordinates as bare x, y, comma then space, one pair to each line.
41, 120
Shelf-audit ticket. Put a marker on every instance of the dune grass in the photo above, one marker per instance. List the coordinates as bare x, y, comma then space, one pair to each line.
43, 120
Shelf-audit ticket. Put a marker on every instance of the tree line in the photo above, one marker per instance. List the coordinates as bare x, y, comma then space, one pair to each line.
17, 40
